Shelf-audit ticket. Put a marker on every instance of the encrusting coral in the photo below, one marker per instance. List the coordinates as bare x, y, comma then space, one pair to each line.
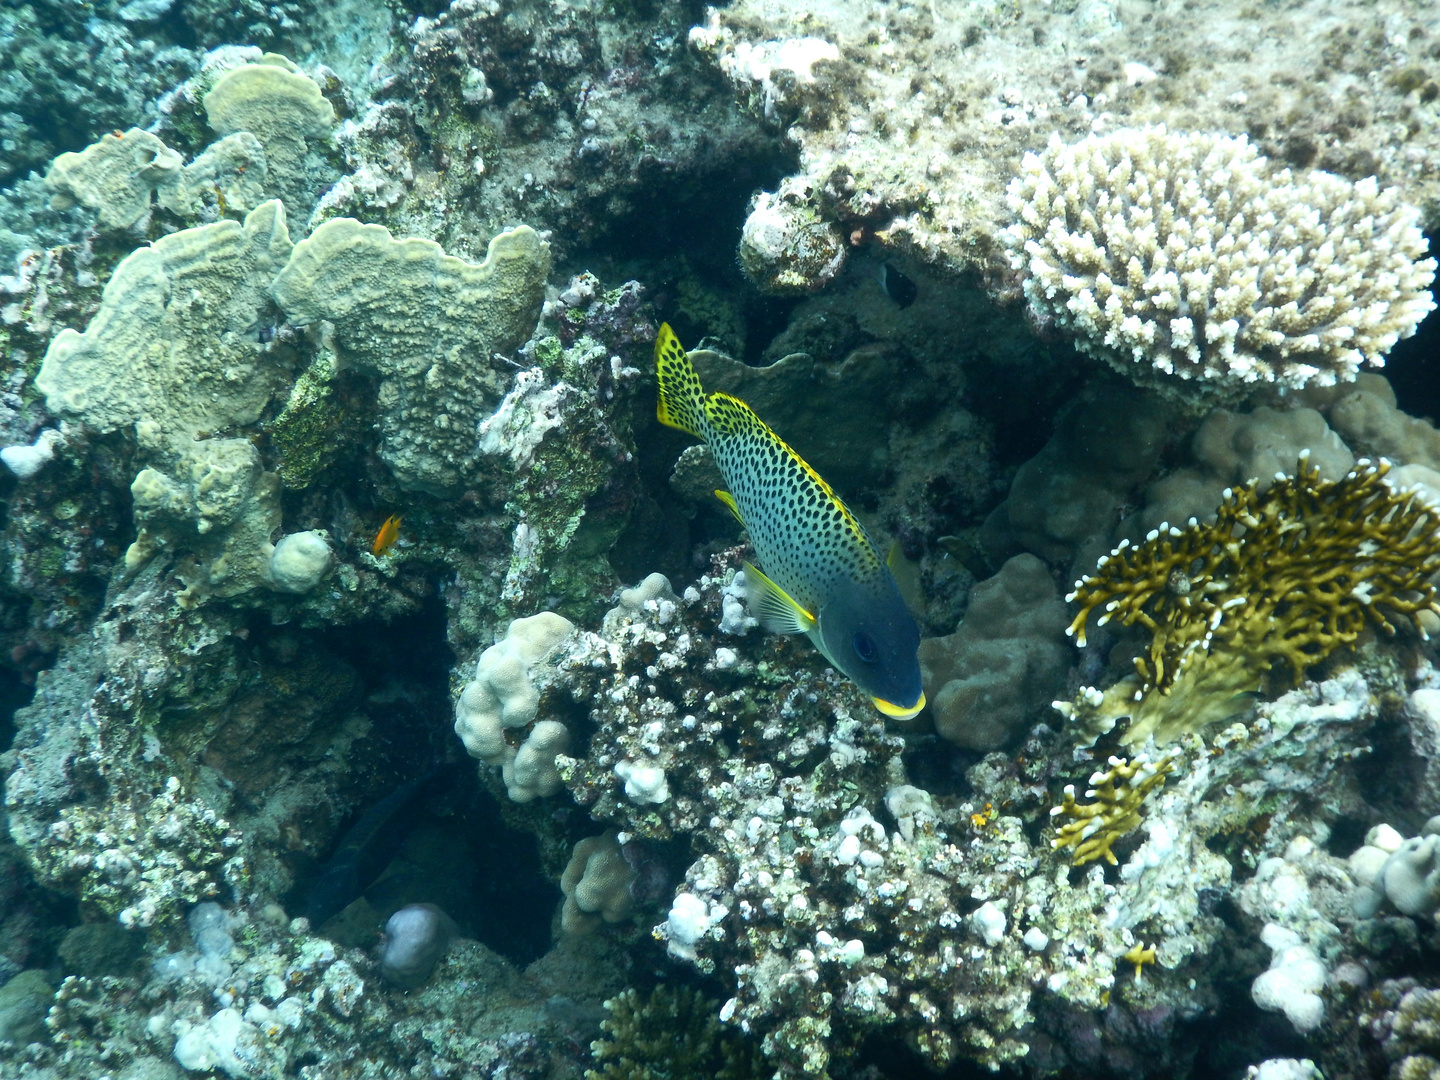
1184, 254
1288, 575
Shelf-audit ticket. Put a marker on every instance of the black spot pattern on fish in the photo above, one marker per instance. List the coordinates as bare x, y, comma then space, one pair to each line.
682, 397
804, 535
806, 540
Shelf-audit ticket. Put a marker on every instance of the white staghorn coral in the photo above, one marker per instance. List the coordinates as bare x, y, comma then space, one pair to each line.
1184, 254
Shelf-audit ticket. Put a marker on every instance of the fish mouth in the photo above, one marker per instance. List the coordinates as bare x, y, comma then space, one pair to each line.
899, 712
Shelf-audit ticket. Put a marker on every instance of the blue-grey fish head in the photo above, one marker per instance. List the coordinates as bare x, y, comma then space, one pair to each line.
867, 632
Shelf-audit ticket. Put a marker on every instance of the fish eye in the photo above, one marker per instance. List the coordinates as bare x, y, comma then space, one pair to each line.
865, 647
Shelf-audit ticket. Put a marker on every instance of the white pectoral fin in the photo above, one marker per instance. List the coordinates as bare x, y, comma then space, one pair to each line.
776, 610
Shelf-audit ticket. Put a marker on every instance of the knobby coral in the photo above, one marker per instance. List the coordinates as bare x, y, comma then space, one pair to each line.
1179, 254
1288, 575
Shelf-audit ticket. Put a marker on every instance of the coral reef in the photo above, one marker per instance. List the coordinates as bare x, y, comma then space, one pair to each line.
597, 885
265, 311
282, 109
416, 939
987, 681
415, 319
672, 1032
914, 130
1118, 793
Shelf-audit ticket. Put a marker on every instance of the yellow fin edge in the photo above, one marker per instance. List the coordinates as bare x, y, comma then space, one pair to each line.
776, 609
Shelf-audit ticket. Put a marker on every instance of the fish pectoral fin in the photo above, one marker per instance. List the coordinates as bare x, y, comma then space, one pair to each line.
776, 609
729, 501
894, 557
899, 712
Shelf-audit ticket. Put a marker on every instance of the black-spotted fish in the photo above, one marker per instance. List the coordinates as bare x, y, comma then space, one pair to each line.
824, 577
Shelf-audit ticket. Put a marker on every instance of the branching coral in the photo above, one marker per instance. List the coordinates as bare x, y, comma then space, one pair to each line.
672, 1033
1118, 793
1186, 254
1288, 575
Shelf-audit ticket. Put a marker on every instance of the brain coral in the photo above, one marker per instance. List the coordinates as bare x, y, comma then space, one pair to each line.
1183, 254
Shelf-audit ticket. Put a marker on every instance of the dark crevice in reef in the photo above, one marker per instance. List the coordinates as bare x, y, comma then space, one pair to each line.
15, 693
1021, 401
1413, 366
450, 845
679, 237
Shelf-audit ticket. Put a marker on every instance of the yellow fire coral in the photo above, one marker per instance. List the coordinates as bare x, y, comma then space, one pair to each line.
1288, 575
1118, 794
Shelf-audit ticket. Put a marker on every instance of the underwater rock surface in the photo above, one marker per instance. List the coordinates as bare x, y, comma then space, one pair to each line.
384, 690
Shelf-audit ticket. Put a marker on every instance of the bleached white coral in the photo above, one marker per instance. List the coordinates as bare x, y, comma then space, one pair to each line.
1293, 982
1186, 254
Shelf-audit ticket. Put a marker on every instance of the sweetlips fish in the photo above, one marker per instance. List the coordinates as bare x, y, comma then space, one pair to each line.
825, 577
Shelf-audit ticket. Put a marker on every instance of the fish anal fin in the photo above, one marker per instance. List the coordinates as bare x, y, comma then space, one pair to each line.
775, 609
729, 501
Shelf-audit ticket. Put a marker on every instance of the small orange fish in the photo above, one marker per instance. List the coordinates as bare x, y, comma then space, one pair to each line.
386, 537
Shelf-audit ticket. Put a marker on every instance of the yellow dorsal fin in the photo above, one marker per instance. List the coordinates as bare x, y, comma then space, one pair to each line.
729, 501
682, 399
776, 610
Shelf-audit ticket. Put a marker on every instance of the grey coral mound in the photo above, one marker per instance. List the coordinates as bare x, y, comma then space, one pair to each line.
1173, 254
426, 324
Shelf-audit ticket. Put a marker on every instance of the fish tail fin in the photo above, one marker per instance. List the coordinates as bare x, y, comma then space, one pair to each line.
682, 398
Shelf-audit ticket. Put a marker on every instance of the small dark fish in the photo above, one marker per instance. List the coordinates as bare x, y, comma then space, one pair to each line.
370, 846
897, 286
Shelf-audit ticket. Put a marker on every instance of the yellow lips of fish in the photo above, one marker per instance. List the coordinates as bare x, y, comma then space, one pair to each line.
824, 577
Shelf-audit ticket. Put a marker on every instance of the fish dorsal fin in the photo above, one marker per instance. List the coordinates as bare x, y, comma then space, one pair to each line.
682, 399
729, 501
776, 609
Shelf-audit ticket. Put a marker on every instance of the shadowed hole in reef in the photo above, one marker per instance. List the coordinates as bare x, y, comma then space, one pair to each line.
422, 829
15, 693
1413, 366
